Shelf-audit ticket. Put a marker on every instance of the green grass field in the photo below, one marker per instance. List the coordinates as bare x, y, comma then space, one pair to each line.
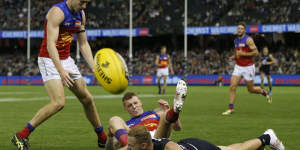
201, 115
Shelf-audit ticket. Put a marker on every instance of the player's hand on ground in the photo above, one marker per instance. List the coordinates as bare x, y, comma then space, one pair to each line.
66, 78
164, 105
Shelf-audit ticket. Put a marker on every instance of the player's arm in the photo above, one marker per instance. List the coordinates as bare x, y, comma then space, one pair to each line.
109, 143
84, 45
253, 48
54, 18
170, 65
232, 57
172, 146
123, 148
112, 143
157, 60
272, 60
259, 61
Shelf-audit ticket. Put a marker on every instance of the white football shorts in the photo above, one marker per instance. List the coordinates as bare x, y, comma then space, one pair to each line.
247, 72
152, 133
162, 72
49, 71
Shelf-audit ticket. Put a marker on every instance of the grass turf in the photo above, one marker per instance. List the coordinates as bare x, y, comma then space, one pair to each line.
201, 116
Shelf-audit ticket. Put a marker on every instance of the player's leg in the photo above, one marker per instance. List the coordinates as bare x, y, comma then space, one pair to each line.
262, 78
172, 115
80, 90
249, 74
269, 83
258, 90
268, 138
55, 92
252, 144
165, 84
234, 82
119, 129
158, 81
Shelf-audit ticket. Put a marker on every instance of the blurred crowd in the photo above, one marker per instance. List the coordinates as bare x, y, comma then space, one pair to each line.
200, 62
161, 16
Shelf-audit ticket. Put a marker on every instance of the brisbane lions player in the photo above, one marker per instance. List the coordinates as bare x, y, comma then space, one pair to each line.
159, 121
57, 68
245, 51
164, 63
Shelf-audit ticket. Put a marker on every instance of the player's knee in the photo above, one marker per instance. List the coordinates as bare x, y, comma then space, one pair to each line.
59, 105
233, 87
115, 120
251, 90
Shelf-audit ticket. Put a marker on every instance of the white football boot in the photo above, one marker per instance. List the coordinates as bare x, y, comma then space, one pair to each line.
275, 143
228, 112
181, 92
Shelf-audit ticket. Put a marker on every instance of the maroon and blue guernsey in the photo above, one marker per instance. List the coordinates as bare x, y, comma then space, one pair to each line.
241, 44
149, 119
67, 28
163, 61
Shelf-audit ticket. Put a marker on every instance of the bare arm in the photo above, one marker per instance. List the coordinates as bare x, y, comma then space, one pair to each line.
272, 60
54, 17
84, 45
170, 65
172, 146
259, 62
112, 143
253, 48
109, 143
157, 60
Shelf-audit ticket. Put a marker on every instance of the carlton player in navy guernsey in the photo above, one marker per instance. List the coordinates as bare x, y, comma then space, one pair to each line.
57, 68
264, 64
245, 51
140, 139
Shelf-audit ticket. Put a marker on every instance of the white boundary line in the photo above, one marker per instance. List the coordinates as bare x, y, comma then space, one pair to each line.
16, 93
15, 99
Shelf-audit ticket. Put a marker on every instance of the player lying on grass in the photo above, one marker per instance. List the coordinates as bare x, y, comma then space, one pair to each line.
159, 121
140, 139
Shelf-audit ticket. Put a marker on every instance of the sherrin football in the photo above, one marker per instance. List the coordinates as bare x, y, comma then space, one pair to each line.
111, 70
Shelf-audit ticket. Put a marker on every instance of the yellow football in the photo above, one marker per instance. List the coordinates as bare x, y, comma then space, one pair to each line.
111, 70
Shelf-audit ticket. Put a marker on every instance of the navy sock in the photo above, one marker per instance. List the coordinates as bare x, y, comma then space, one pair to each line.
231, 106
30, 127
265, 139
101, 134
